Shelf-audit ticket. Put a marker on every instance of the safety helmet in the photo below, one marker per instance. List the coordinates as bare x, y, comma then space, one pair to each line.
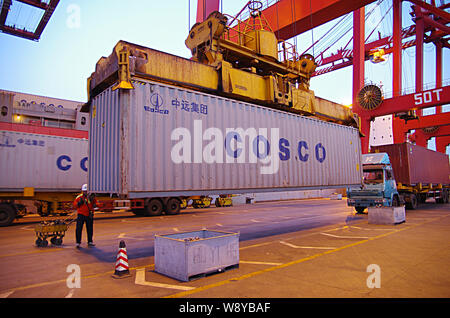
84, 187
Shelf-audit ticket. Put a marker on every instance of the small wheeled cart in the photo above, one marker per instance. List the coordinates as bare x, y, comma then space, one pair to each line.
53, 229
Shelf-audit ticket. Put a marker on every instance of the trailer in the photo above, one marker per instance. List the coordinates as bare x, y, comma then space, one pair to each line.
40, 164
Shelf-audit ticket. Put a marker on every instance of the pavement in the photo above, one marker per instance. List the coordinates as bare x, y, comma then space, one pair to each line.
288, 249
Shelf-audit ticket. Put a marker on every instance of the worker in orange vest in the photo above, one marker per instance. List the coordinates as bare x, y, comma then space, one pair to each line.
85, 205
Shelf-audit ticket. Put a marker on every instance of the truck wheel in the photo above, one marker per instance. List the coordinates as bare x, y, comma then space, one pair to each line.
360, 209
154, 207
173, 206
413, 202
7, 214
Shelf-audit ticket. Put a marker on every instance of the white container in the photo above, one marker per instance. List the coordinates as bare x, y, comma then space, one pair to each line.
158, 140
44, 162
386, 215
185, 255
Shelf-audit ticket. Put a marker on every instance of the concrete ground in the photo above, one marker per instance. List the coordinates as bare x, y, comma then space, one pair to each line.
288, 249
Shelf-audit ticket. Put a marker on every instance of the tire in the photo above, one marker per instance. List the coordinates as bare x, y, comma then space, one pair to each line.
360, 209
446, 196
154, 207
414, 203
173, 206
7, 214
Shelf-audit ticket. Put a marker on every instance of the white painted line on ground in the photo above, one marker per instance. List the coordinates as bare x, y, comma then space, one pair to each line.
70, 294
255, 221
140, 280
307, 247
176, 229
121, 235
218, 224
260, 263
342, 236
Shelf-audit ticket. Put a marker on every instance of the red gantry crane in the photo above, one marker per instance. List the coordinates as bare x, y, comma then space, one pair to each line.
289, 18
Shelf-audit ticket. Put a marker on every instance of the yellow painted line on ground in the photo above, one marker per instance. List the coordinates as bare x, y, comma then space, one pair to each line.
10, 291
259, 263
270, 269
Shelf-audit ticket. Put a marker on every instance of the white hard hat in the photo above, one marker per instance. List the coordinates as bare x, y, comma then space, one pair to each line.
84, 187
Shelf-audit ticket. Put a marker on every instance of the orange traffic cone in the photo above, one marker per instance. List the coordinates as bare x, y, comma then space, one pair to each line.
122, 269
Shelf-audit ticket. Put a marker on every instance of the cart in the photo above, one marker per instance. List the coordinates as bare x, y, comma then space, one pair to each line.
53, 229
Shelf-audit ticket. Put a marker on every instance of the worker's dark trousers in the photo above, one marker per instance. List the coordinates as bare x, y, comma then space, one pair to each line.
81, 219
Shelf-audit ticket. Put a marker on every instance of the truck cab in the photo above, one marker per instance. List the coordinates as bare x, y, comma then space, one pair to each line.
379, 186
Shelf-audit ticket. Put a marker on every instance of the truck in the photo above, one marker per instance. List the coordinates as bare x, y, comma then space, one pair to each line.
45, 166
234, 118
401, 174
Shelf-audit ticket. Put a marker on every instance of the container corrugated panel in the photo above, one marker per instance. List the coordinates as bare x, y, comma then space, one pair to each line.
160, 140
47, 163
104, 151
414, 164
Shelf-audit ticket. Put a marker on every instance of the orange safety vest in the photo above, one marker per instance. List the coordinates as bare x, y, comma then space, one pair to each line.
84, 208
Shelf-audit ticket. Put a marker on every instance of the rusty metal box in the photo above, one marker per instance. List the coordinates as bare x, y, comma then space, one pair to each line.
186, 255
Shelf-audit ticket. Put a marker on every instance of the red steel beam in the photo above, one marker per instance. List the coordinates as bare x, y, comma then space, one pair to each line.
358, 74
436, 25
442, 143
17, 32
438, 70
289, 18
435, 10
4, 11
427, 121
420, 33
205, 7
44, 20
442, 131
35, 3
397, 48
429, 98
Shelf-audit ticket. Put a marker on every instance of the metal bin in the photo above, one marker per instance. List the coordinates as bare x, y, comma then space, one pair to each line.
186, 255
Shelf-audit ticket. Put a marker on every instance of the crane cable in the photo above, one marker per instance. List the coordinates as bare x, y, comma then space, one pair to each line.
312, 29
